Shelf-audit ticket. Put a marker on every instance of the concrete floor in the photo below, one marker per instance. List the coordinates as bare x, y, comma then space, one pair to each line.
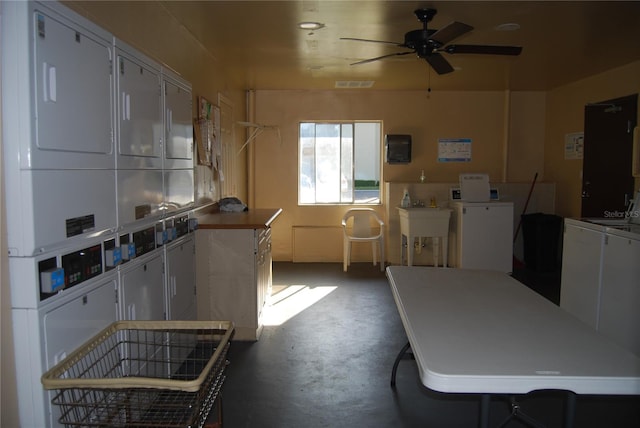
329, 365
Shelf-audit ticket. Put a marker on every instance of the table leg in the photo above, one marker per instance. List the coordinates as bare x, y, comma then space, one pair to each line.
410, 244
570, 410
485, 401
403, 351
435, 243
445, 250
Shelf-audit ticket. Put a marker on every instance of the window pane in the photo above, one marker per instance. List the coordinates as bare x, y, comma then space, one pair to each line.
346, 164
367, 162
306, 182
327, 163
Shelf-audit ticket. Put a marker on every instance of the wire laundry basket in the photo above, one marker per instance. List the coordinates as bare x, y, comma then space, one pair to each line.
143, 374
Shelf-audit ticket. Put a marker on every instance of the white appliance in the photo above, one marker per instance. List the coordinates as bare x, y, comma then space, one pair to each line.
481, 230
482, 235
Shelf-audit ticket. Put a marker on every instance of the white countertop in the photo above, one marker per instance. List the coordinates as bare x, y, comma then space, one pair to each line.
484, 332
618, 227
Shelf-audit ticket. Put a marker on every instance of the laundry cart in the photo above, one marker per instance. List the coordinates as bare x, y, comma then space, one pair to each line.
143, 373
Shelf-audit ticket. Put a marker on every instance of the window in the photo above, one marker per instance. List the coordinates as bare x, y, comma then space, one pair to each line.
339, 163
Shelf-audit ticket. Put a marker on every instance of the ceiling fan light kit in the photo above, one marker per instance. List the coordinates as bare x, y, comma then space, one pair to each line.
310, 25
428, 44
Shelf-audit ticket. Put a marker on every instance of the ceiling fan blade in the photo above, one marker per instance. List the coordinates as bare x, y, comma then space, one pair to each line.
371, 41
450, 32
483, 49
381, 57
439, 63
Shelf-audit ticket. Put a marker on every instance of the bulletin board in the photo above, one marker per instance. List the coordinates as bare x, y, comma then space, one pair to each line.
207, 130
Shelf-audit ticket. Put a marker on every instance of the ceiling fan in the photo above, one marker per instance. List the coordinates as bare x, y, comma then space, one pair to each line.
428, 44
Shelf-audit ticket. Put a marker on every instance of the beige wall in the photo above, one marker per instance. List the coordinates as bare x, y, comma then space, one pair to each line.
527, 123
506, 129
565, 114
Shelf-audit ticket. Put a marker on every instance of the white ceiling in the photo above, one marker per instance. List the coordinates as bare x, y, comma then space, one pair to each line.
264, 49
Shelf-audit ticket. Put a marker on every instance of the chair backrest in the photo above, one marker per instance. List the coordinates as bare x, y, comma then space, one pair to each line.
362, 221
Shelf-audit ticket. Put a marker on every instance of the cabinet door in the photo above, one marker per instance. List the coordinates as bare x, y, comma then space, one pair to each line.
226, 278
139, 114
620, 292
181, 281
142, 290
263, 267
581, 265
73, 87
179, 126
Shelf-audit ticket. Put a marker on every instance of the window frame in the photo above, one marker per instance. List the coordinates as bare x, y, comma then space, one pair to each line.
378, 161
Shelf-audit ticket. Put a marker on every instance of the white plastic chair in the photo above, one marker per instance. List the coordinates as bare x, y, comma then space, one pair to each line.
357, 226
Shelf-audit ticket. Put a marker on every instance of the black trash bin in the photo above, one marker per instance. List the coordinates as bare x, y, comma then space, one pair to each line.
541, 235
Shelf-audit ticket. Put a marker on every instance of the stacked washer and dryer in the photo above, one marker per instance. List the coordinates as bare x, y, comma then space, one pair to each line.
99, 178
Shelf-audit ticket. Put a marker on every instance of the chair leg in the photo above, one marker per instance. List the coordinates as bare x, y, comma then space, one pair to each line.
345, 255
382, 255
375, 252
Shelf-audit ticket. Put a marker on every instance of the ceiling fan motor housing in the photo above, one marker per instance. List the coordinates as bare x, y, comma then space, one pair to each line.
420, 41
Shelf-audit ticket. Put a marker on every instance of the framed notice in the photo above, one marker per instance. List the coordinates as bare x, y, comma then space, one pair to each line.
454, 150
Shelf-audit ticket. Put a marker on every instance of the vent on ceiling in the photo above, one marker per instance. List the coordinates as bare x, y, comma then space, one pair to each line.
350, 84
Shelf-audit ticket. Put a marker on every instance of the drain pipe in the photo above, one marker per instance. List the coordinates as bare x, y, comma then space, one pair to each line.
505, 134
251, 167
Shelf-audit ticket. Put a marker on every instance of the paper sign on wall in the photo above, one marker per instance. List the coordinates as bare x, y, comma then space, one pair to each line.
454, 150
574, 145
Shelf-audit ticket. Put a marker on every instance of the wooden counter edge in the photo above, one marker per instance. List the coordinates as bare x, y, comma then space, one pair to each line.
260, 218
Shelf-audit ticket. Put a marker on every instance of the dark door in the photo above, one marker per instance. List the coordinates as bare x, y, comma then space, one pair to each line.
607, 183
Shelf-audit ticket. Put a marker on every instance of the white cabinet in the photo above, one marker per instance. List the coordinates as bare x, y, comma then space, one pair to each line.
233, 276
263, 270
581, 266
620, 291
181, 280
601, 280
483, 235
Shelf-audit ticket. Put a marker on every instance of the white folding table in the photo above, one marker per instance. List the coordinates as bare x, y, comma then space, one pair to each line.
483, 332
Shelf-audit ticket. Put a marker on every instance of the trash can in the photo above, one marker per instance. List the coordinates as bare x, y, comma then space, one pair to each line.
541, 238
